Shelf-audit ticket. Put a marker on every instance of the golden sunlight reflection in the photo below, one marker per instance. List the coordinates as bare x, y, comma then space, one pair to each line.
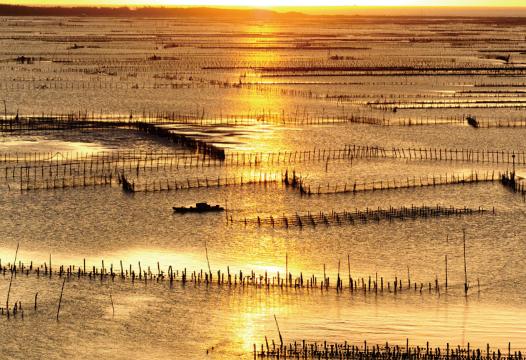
248, 327
262, 57
146, 257
53, 148
256, 319
151, 258
154, 259
262, 104
456, 322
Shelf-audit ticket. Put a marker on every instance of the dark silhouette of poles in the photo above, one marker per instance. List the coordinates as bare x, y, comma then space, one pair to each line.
60, 299
208, 262
279, 332
465, 264
11, 282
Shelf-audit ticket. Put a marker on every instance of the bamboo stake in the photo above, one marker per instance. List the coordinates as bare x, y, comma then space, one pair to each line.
11, 280
279, 332
112, 307
207, 261
465, 264
60, 299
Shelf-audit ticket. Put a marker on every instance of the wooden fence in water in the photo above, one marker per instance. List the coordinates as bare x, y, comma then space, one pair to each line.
118, 161
186, 141
139, 185
170, 159
73, 122
305, 188
461, 155
352, 283
36, 178
357, 216
55, 183
347, 351
360, 115
73, 169
205, 182
373, 285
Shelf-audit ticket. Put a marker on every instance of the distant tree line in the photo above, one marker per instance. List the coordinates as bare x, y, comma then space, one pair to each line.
20, 10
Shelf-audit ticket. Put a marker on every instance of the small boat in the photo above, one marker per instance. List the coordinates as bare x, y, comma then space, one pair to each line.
201, 207
472, 121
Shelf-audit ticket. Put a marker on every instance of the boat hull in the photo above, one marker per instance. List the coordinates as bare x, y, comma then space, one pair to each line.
192, 210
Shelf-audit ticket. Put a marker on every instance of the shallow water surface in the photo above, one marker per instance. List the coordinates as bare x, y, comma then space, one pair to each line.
273, 92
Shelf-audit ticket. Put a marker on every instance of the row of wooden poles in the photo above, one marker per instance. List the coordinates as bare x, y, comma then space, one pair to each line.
391, 102
82, 120
96, 85
144, 66
118, 161
155, 185
28, 184
490, 103
32, 181
345, 350
152, 129
98, 164
405, 121
31, 168
197, 278
371, 285
113, 164
168, 160
193, 82
350, 151
420, 121
298, 183
185, 82
205, 182
144, 62
413, 102
362, 98
72, 121
358, 286
358, 216
200, 146
381, 72
463, 155
85, 119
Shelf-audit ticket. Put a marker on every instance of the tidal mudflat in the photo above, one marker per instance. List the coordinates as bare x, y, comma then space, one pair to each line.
370, 170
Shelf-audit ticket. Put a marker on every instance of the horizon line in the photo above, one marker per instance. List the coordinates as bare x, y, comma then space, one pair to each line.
247, 7
334, 11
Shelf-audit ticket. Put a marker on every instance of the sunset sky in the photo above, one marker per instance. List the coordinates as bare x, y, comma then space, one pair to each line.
271, 3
